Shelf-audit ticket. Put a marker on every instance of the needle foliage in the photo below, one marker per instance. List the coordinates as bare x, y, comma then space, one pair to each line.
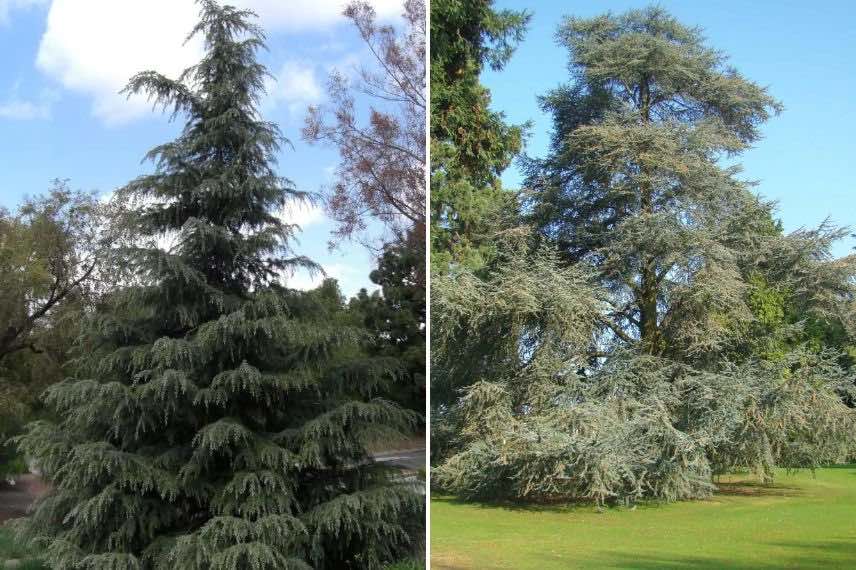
215, 419
654, 327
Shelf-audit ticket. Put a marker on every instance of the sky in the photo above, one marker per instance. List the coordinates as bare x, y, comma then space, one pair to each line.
61, 116
804, 52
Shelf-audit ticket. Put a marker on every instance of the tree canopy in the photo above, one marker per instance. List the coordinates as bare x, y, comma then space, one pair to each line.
53, 259
49, 252
381, 174
470, 143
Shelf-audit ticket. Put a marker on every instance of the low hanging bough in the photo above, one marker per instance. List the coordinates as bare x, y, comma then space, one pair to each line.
546, 419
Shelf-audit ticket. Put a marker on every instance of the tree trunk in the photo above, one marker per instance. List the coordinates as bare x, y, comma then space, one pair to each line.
648, 293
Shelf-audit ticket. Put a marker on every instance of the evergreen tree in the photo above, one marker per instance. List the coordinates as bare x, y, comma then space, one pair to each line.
618, 352
396, 317
634, 185
470, 144
217, 420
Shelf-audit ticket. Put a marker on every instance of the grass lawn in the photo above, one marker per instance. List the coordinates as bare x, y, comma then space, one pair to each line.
801, 522
9, 550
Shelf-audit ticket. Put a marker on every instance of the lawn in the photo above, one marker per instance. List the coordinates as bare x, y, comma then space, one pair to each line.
9, 550
801, 522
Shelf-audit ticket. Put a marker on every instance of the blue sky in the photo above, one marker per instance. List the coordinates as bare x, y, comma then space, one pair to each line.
803, 51
61, 117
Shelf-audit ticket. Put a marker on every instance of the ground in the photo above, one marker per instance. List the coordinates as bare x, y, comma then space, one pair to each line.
14, 502
801, 522
9, 550
16, 499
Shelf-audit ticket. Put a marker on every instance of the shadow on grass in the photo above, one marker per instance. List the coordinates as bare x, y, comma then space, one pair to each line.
833, 553
521, 506
756, 489
11, 550
724, 489
843, 467
736, 488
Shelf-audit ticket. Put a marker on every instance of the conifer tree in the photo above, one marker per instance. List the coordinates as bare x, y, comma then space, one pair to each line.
634, 186
216, 420
396, 316
470, 144
619, 351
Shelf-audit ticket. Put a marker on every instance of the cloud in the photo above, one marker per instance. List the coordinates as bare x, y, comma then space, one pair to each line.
17, 108
23, 110
303, 214
305, 281
7, 6
351, 278
296, 85
300, 15
93, 47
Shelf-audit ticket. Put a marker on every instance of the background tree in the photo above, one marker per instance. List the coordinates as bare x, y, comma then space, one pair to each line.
396, 317
798, 294
52, 255
49, 251
381, 177
470, 144
381, 174
215, 419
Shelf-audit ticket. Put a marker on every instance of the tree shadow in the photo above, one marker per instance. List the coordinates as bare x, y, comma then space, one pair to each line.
842, 467
756, 489
739, 488
559, 506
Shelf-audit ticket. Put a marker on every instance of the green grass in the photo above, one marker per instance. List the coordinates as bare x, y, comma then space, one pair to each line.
801, 522
9, 550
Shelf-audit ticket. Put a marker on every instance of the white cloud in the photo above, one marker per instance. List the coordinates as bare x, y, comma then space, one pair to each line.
305, 281
351, 278
303, 214
296, 85
95, 46
297, 15
23, 110
7, 6
18, 108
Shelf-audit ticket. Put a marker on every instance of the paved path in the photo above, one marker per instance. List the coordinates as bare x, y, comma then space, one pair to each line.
413, 459
16, 499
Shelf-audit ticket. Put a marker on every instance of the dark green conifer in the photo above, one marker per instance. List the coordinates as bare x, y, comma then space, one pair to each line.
470, 144
217, 420
396, 317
